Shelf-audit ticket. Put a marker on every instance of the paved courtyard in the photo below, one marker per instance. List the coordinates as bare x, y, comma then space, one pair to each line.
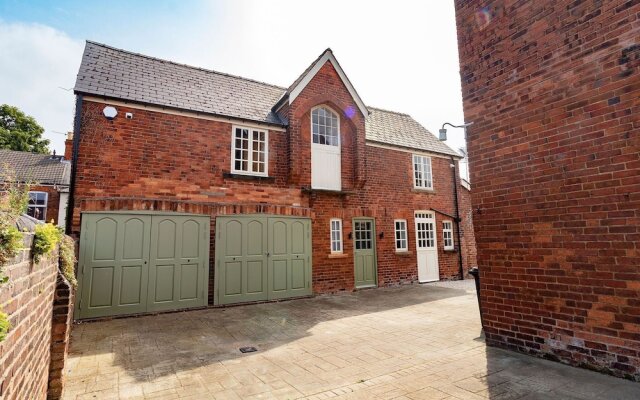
412, 342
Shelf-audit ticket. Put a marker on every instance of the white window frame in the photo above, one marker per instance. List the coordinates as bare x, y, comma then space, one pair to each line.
447, 232
329, 109
421, 182
335, 226
43, 207
398, 231
250, 151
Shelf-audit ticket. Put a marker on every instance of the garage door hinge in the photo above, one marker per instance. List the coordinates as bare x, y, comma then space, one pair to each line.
80, 305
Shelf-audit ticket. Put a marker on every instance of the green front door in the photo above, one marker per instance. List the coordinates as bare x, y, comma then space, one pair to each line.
364, 245
262, 258
135, 263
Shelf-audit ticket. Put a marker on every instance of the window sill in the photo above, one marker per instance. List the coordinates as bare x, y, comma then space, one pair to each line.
247, 177
450, 250
309, 190
338, 255
404, 253
421, 190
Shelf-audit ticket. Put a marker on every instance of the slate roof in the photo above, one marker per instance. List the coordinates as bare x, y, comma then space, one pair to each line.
118, 74
37, 168
399, 129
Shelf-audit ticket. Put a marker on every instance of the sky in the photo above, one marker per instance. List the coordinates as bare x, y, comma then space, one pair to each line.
400, 55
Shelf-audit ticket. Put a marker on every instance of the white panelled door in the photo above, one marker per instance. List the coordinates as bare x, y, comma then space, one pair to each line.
426, 247
325, 150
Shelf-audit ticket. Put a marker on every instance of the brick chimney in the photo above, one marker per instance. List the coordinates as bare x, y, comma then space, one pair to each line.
68, 146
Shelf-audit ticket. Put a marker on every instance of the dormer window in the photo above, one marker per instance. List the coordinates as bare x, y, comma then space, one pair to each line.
325, 149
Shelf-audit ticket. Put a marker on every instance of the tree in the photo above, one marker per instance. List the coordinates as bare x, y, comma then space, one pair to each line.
21, 132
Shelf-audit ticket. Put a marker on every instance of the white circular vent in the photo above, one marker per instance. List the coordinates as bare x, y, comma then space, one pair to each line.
110, 112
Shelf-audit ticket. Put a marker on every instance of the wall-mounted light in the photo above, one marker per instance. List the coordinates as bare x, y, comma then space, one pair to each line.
110, 112
350, 235
381, 235
443, 130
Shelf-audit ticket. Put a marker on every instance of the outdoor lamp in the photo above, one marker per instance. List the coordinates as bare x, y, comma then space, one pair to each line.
443, 130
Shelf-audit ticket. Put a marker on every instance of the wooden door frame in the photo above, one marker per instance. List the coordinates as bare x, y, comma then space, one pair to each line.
374, 248
435, 242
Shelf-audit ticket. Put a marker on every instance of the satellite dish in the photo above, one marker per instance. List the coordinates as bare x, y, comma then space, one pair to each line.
110, 112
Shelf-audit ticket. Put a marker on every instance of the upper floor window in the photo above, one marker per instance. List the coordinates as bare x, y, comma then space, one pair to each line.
422, 178
447, 234
37, 207
249, 151
336, 235
325, 128
401, 234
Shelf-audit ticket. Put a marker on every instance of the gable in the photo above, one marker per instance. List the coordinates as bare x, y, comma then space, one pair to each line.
327, 57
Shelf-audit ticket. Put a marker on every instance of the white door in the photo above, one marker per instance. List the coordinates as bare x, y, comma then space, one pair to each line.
325, 149
426, 247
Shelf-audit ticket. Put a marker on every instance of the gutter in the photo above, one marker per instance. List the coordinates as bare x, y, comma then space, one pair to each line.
77, 123
457, 218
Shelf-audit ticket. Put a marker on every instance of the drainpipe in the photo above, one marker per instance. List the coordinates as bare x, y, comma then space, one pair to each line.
77, 122
457, 219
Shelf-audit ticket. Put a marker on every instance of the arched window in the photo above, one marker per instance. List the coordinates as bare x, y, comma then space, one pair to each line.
325, 149
325, 127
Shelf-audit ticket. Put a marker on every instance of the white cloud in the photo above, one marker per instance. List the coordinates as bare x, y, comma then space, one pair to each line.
36, 61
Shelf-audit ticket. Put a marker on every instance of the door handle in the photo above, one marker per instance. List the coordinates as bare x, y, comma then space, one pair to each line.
267, 254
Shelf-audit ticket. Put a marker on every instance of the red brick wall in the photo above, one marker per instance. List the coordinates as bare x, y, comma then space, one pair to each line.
553, 89
28, 299
469, 250
161, 161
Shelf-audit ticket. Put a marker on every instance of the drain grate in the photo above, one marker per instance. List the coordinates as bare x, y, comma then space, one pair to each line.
249, 349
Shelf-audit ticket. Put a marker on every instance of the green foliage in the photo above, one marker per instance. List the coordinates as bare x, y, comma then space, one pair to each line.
5, 325
14, 198
45, 240
68, 259
21, 132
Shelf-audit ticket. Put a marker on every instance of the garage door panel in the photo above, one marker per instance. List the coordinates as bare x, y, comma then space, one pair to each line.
255, 238
166, 239
233, 233
164, 282
280, 274
255, 276
190, 242
279, 238
102, 287
134, 236
131, 285
232, 278
298, 274
106, 232
189, 281
297, 238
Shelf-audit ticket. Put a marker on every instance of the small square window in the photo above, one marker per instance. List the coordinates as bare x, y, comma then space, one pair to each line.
250, 151
37, 207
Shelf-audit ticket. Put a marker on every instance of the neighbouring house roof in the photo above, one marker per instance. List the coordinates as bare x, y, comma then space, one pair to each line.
43, 169
389, 127
118, 74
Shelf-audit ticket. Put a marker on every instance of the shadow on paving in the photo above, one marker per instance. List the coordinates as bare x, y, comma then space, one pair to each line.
512, 375
157, 345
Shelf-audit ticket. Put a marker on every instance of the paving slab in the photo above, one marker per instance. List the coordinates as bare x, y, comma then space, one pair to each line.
409, 342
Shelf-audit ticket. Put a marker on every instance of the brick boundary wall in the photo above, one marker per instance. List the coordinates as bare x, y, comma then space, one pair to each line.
61, 321
28, 299
553, 89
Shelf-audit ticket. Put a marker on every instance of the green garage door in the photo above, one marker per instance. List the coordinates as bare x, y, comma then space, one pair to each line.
136, 263
262, 258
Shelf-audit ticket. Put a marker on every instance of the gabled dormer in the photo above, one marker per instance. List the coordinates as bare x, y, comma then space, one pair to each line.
326, 118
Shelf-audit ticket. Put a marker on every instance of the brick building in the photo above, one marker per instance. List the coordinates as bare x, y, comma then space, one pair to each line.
49, 178
194, 187
553, 89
